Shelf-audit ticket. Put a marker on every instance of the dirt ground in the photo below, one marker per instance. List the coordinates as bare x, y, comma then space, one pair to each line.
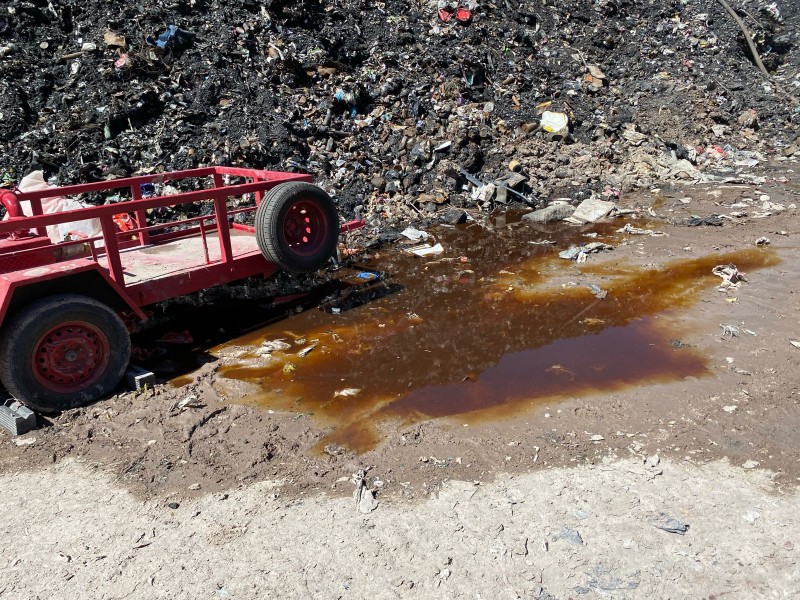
582, 532
231, 497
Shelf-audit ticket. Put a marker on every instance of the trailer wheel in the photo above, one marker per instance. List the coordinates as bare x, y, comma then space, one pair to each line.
297, 227
62, 352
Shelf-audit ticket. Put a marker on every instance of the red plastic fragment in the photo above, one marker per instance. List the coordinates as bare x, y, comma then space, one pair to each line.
463, 14
123, 221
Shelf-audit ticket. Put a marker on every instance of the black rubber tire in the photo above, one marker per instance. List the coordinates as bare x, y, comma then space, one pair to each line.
281, 208
20, 340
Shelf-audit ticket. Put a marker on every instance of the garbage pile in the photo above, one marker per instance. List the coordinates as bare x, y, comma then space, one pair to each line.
401, 110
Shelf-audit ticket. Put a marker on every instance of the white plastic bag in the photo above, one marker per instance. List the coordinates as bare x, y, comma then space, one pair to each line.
76, 230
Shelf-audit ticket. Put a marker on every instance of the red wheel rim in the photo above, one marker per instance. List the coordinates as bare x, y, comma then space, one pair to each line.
70, 357
305, 228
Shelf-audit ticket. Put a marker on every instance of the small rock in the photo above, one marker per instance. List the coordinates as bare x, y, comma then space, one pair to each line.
173, 505
364, 497
751, 516
570, 253
550, 214
666, 523
751, 464
29, 441
748, 118
592, 210
454, 217
570, 535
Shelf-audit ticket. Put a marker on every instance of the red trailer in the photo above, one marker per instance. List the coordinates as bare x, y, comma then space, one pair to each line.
64, 304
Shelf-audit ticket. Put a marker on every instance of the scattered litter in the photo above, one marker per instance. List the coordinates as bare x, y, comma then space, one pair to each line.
555, 122
122, 62
188, 402
751, 464
570, 253
596, 247
712, 221
363, 496
273, 346
592, 210
173, 36
364, 276
462, 14
579, 253
112, 38
34, 182
670, 525
751, 516
763, 241
289, 368
730, 331
347, 393
25, 441
427, 250
730, 409
636, 231
597, 291
795, 343
414, 235
597, 438
772, 207
334, 450
304, 352
730, 275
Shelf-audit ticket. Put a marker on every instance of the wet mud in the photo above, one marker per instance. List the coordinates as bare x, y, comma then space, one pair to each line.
496, 325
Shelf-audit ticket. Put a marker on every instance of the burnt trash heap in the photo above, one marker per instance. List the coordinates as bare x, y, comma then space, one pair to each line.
401, 110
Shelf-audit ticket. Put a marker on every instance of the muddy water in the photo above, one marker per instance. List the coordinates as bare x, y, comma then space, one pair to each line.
495, 325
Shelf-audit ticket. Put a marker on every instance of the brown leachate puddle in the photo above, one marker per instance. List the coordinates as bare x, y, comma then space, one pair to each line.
482, 336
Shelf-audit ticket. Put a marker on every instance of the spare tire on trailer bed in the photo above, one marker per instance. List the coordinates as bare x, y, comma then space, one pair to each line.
63, 351
297, 227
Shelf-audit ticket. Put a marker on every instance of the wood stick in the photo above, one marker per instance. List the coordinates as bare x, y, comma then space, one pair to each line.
747, 36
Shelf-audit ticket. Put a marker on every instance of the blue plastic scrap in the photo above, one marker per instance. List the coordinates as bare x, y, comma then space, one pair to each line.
179, 37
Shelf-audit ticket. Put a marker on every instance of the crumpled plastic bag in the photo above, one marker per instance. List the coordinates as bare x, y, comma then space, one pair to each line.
34, 182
